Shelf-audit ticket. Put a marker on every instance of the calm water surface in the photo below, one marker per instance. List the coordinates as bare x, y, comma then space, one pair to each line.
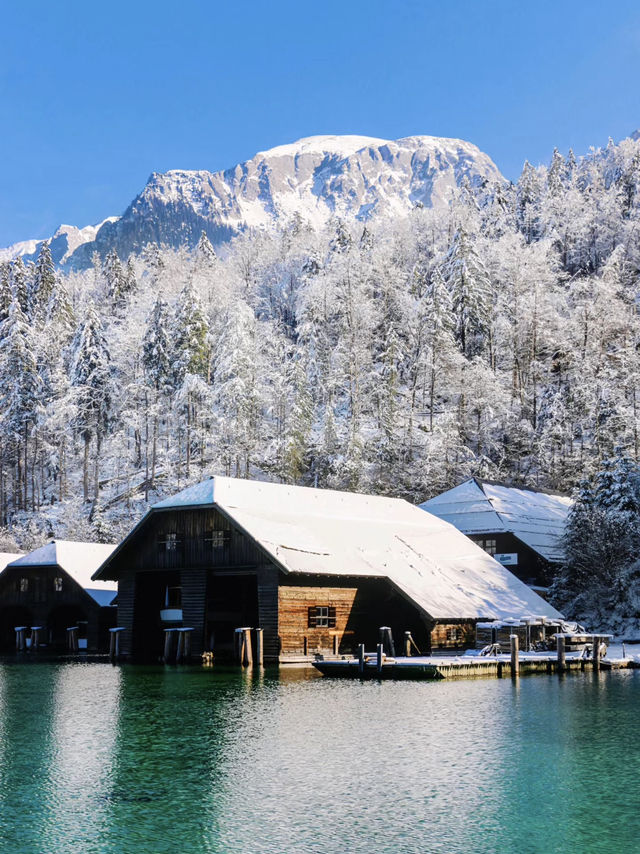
95, 758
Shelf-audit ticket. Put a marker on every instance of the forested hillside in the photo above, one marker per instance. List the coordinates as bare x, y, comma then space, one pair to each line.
498, 337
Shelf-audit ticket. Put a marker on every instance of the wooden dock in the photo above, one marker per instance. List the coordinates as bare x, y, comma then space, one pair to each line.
463, 666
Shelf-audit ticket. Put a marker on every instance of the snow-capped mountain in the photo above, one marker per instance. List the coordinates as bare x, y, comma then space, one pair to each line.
63, 244
317, 178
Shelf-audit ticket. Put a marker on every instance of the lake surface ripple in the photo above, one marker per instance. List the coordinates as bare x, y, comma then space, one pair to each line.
127, 759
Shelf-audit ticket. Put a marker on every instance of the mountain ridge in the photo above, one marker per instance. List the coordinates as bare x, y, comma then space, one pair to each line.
317, 178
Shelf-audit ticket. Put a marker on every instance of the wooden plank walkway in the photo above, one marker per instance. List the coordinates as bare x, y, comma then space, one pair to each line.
460, 667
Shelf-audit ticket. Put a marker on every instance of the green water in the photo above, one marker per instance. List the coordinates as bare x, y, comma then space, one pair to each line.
95, 758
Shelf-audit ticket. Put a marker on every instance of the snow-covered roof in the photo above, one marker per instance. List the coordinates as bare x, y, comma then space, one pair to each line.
79, 560
7, 557
481, 507
323, 532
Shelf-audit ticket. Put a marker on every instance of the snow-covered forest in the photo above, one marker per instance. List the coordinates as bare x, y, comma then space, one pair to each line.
499, 337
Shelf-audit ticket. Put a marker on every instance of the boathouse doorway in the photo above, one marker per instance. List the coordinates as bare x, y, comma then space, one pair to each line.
10, 617
62, 618
232, 603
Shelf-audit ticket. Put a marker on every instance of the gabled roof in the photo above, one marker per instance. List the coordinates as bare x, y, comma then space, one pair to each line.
329, 533
79, 560
481, 507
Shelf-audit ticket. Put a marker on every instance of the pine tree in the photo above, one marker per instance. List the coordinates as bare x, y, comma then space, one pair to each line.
191, 351
470, 290
20, 286
43, 284
116, 280
19, 388
91, 387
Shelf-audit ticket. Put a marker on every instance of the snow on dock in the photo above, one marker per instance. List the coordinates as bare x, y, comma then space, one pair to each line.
464, 666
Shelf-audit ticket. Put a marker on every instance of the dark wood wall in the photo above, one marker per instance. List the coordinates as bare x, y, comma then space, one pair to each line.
531, 567
42, 605
150, 560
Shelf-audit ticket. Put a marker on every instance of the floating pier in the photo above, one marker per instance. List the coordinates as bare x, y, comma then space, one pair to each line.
377, 665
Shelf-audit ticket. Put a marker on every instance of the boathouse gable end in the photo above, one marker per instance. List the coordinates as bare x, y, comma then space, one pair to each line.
51, 588
308, 566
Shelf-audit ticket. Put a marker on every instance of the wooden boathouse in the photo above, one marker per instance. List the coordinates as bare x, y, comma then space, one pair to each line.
316, 570
49, 590
521, 527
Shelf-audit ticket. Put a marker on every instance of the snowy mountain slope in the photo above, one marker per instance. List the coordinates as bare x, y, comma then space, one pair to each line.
63, 244
317, 178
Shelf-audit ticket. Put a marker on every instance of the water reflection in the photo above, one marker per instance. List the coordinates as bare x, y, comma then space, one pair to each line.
155, 760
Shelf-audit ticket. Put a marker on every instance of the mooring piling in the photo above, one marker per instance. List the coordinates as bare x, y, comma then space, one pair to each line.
259, 647
386, 638
515, 658
560, 649
379, 656
114, 642
407, 644
361, 658
72, 638
20, 637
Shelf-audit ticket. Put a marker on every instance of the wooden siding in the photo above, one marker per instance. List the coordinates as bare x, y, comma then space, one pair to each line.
294, 604
42, 605
146, 551
194, 598
362, 607
453, 635
126, 597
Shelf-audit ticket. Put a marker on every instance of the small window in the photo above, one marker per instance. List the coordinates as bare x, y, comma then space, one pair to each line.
453, 635
24, 585
322, 617
217, 539
169, 542
173, 597
57, 584
489, 545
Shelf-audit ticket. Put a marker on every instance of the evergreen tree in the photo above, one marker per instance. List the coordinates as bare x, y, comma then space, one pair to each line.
43, 284
470, 290
91, 387
191, 352
19, 389
20, 286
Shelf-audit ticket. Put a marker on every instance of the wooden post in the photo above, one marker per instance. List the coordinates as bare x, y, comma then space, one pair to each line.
168, 637
361, 658
596, 652
180, 647
305, 645
528, 636
407, 644
515, 659
72, 638
35, 636
186, 642
561, 653
386, 637
336, 645
379, 654
20, 638
247, 652
259, 648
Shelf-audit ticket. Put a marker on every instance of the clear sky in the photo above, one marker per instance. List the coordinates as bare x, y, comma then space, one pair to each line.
96, 96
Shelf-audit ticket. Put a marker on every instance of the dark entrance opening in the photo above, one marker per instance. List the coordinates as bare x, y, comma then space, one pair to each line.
157, 606
60, 619
232, 603
11, 617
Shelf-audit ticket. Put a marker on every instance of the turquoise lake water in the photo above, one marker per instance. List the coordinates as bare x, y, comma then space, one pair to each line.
95, 758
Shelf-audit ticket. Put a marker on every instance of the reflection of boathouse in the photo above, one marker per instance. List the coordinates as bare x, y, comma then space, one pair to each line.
317, 570
51, 588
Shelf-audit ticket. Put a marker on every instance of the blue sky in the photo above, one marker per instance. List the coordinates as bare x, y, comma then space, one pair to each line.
94, 97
